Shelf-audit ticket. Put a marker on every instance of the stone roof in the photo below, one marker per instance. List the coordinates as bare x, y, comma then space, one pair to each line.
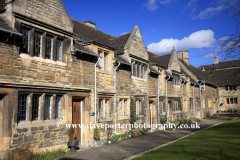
161, 60
79, 46
224, 76
4, 25
86, 33
221, 65
119, 42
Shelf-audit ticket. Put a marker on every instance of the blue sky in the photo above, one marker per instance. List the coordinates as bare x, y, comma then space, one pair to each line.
193, 25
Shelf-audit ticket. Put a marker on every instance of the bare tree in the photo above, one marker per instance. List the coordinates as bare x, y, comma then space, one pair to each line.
230, 45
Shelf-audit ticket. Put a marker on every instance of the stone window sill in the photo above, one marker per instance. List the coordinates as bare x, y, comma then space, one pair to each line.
177, 111
123, 117
105, 119
140, 116
103, 71
37, 123
137, 78
39, 59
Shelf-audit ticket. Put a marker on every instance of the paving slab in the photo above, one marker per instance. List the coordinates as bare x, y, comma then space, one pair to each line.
135, 145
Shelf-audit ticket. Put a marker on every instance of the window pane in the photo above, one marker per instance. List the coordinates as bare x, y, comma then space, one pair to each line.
231, 100
235, 100
226, 88
132, 68
106, 108
234, 87
59, 50
105, 62
100, 62
120, 108
136, 66
47, 107
100, 108
37, 44
139, 72
35, 107
140, 107
230, 87
24, 43
58, 107
143, 71
49, 49
227, 99
125, 107
22, 107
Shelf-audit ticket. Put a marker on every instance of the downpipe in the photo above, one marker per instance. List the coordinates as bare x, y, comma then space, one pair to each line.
167, 98
183, 98
95, 89
193, 102
115, 90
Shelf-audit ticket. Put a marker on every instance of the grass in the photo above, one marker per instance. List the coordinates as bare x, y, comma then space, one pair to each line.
219, 142
214, 115
25, 153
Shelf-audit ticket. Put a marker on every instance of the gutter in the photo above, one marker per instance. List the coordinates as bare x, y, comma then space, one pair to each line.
115, 92
14, 33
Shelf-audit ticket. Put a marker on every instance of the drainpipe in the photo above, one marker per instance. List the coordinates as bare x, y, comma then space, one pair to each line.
200, 90
95, 89
158, 97
183, 98
216, 98
115, 96
193, 101
167, 98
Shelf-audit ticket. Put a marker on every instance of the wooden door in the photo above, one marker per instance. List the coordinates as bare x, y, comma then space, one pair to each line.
76, 115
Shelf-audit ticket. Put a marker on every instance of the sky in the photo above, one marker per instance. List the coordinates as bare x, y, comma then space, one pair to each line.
193, 25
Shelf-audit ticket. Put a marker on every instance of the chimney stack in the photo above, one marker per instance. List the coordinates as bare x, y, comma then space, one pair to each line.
216, 60
183, 55
89, 23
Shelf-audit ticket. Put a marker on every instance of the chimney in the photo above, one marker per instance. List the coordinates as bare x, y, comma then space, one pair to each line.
216, 60
183, 55
89, 23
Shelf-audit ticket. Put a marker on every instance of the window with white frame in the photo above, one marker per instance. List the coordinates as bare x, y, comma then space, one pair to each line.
105, 61
138, 69
23, 106
36, 100
47, 107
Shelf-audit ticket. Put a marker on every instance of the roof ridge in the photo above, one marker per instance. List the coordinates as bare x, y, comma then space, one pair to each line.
93, 28
120, 36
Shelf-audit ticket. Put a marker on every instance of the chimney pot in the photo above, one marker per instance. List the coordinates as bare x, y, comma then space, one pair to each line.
216, 60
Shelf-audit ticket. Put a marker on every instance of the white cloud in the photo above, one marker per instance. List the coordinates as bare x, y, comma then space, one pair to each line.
210, 12
199, 39
223, 38
124, 33
151, 5
165, 1
210, 55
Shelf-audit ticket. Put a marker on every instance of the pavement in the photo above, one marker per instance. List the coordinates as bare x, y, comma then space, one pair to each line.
135, 145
